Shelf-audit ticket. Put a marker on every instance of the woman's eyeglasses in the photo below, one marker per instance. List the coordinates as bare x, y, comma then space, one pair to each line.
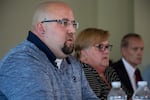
103, 47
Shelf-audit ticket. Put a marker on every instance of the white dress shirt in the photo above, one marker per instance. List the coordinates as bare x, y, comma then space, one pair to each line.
130, 71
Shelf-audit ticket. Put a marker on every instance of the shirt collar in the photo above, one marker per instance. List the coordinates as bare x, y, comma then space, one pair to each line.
35, 40
128, 66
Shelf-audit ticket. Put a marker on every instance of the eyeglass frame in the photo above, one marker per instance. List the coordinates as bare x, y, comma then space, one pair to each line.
103, 47
64, 22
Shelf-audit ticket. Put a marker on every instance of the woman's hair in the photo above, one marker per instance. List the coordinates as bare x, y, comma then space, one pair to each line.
89, 37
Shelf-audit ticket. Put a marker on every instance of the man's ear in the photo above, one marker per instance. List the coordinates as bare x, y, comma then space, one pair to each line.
40, 29
123, 51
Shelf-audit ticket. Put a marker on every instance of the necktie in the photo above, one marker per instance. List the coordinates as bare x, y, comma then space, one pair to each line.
137, 76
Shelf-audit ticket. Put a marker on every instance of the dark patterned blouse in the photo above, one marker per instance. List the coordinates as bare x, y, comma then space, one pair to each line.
100, 88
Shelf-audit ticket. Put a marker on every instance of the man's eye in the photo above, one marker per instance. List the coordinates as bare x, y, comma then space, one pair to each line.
65, 23
135, 49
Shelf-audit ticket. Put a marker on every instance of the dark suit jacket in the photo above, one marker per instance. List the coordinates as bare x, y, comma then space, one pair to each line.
123, 75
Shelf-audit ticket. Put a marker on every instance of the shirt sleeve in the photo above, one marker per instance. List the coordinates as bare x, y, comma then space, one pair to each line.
21, 79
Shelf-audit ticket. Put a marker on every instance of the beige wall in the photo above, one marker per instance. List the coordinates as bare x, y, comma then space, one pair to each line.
117, 16
142, 26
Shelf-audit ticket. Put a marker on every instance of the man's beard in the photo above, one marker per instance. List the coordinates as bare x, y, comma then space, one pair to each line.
67, 49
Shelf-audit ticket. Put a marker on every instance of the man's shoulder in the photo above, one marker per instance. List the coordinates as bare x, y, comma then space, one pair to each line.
117, 63
22, 54
118, 66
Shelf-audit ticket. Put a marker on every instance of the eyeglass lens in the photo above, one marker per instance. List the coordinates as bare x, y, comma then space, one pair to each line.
102, 47
67, 22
